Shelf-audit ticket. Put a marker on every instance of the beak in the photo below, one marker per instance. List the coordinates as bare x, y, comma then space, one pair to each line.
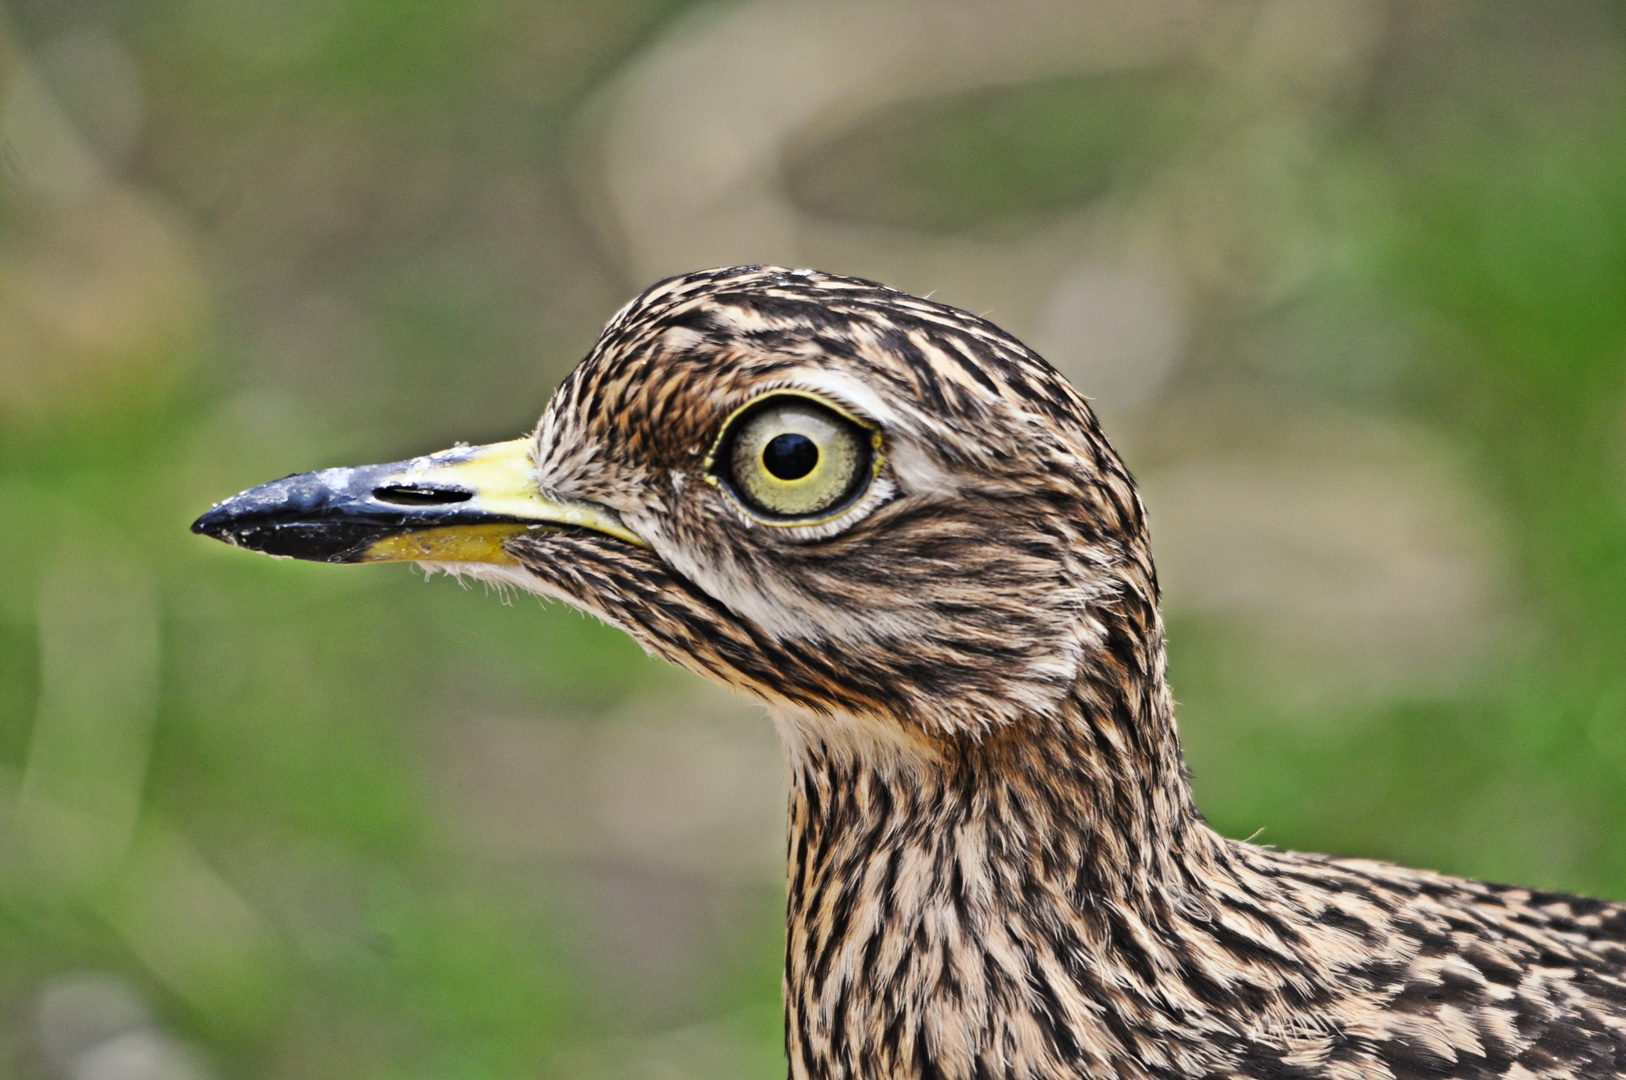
459, 505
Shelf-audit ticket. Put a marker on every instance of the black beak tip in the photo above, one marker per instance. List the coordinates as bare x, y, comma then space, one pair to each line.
299, 517
228, 523
211, 523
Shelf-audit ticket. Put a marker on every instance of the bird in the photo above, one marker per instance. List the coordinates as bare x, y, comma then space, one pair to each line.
905, 532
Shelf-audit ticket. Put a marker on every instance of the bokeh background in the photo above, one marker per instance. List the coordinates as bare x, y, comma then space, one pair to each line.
1346, 278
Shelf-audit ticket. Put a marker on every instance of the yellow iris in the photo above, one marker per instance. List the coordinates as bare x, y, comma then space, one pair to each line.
791, 457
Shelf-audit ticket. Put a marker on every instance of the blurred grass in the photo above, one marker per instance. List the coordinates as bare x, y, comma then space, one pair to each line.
1481, 204
977, 160
1503, 229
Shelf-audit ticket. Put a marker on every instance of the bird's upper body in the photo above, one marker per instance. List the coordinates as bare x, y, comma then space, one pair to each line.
906, 533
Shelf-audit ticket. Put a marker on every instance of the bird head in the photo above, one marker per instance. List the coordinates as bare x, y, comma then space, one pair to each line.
884, 516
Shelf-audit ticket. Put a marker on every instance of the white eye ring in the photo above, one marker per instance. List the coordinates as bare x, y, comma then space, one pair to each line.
792, 460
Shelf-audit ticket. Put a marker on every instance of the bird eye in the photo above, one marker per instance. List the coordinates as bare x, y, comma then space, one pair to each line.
791, 458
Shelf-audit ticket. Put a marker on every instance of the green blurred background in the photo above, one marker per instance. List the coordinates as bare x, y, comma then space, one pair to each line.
1347, 279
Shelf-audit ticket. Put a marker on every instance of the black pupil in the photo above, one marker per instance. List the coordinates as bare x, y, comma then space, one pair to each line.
790, 456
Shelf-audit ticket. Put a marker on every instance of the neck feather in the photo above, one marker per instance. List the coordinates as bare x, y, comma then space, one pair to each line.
1004, 907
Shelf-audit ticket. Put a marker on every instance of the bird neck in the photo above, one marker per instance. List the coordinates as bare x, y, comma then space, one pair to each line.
923, 887
1088, 806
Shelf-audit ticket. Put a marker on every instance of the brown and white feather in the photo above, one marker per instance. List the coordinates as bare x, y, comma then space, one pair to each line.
995, 866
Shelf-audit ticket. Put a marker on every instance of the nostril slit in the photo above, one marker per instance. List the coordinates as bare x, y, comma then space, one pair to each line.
416, 495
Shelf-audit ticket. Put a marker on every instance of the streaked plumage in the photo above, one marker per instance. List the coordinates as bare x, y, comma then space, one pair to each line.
995, 866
